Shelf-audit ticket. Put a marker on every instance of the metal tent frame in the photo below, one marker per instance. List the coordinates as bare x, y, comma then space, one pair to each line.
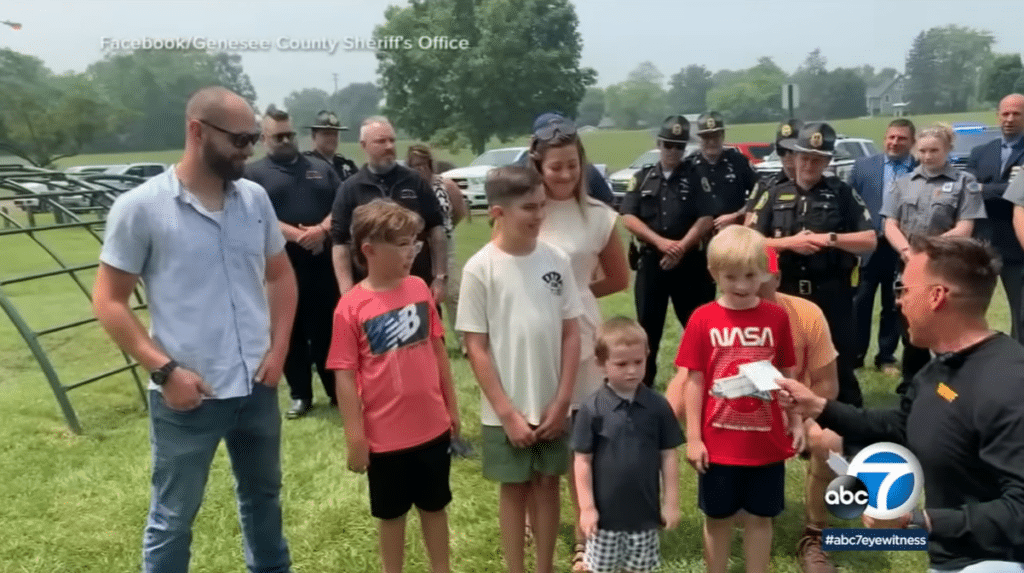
69, 197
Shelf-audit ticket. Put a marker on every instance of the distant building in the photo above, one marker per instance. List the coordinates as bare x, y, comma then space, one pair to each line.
887, 99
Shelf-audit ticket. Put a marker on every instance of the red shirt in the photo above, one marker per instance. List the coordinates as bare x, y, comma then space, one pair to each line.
743, 431
386, 338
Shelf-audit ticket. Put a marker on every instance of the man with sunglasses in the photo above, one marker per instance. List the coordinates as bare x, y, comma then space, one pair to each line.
325, 131
670, 219
724, 173
221, 293
962, 416
785, 134
301, 189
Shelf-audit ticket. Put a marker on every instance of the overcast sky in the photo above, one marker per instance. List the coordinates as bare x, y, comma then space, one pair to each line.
616, 35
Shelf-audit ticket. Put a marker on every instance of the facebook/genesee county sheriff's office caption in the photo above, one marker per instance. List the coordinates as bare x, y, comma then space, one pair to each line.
285, 44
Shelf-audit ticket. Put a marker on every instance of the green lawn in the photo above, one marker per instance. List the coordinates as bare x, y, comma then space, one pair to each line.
615, 148
78, 503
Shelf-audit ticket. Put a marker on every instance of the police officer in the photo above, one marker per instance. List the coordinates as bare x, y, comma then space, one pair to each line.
933, 199
324, 132
819, 224
786, 133
724, 173
669, 218
302, 190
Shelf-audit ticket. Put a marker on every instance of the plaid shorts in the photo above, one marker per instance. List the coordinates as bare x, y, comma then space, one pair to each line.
613, 551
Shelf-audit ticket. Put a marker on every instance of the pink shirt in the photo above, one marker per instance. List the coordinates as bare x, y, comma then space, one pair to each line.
386, 338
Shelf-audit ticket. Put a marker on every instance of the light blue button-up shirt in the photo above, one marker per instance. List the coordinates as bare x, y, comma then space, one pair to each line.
205, 279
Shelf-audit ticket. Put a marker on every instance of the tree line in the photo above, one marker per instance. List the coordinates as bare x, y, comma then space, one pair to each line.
521, 58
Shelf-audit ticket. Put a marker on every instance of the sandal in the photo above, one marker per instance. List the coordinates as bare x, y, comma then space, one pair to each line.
578, 565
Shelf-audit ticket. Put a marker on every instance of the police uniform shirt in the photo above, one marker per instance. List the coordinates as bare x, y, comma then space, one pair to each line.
345, 168
930, 206
728, 180
668, 205
831, 206
403, 186
763, 185
302, 192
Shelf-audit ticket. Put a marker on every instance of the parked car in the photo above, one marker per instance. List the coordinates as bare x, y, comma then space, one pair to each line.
848, 150
754, 151
967, 138
620, 179
470, 179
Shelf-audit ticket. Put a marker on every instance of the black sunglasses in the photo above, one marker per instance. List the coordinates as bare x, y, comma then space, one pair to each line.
280, 137
239, 140
554, 129
671, 145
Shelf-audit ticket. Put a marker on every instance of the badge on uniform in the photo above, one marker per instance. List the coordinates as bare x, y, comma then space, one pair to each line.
946, 392
407, 194
947, 187
704, 181
313, 174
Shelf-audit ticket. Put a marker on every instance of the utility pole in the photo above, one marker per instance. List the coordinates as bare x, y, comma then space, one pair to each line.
335, 82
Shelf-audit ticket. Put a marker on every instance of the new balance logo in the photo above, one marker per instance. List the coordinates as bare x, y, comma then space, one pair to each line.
736, 336
397, 328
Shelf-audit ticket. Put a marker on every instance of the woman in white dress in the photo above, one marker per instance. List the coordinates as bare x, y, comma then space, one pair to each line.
585, 229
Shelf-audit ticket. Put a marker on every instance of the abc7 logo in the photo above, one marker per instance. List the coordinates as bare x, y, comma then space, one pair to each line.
884, 481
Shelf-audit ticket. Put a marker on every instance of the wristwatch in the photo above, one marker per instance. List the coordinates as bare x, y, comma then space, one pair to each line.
833, 238
160, 375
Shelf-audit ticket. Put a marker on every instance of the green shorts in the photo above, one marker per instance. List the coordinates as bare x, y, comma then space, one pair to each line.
506, 464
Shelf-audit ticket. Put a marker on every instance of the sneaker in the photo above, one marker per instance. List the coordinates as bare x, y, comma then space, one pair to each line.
810, 555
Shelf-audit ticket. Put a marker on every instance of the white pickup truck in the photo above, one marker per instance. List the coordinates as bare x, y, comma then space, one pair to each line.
848, 150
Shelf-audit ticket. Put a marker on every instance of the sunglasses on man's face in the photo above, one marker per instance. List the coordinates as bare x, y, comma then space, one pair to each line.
671, 145
239, 140
281, 137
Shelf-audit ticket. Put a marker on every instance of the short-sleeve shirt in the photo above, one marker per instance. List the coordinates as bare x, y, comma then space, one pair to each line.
930, 206
403, 186
1015, 190
729, 179
302, 191
386, 338
204, 274
744, 431
812, 341
666, 202
520, 303
582, 230
626, 439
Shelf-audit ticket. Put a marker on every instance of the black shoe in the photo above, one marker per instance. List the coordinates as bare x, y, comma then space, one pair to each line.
299, 409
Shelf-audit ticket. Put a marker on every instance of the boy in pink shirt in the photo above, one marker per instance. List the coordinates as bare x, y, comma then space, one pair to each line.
394, 384
737, 445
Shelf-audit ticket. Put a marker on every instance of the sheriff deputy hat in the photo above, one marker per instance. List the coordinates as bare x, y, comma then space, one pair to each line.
710, 122
786, 135
816, 137
675, 128
327, 120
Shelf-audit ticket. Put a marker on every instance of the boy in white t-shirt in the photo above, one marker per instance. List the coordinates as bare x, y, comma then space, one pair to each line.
518, 308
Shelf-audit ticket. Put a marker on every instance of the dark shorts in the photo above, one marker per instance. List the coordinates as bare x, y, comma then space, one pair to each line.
760, 490
414, 476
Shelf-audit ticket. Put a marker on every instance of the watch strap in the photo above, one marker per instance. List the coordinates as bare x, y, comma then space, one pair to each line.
160, 375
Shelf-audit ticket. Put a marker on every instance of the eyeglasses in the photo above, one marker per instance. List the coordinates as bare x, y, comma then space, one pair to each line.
415, 247
239, 140
672, 145
281, 137
554, 129
899, 289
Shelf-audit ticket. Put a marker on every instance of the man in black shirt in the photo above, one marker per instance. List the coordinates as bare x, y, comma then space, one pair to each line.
383, 177
302, 191
723, 172
962, 416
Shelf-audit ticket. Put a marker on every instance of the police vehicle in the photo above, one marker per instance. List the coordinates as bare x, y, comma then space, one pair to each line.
620, 179
968, 136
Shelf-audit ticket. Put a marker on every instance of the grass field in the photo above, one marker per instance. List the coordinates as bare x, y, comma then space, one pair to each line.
78, 503
615, 148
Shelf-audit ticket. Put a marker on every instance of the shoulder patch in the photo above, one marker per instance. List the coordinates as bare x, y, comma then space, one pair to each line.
762, 200
631, 184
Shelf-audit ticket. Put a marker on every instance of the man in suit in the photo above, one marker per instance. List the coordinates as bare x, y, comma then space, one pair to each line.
994, 164
872, 177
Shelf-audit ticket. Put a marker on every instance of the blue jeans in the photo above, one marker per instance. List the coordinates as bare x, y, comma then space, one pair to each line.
987, 567
183, 446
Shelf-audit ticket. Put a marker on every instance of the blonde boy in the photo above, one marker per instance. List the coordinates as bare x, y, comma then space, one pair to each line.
394, 384
517, 307
738, 446
625, 437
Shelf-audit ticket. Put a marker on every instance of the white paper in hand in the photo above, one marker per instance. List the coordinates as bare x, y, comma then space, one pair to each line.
733, 387
762, 374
